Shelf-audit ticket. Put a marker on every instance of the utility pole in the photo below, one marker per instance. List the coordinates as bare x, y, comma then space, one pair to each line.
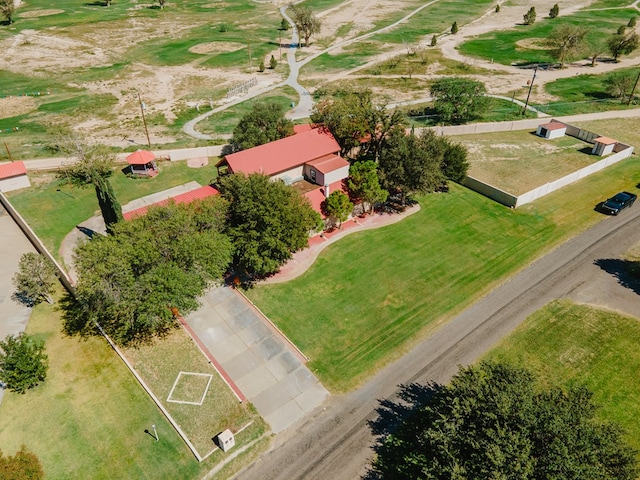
526, 104
633, 89
6, 147
280, 42
250, 67
144, 120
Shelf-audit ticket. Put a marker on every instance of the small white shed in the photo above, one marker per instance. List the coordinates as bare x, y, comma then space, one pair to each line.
603, 146
551, 130
226, 440
13, 176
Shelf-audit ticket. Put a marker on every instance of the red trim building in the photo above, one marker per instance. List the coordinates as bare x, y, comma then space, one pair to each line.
311, 154
13, 176
187, 197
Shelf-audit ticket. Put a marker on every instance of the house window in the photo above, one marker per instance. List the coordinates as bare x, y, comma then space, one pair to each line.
312, 174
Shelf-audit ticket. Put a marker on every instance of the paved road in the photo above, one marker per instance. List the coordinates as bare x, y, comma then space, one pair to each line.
336, 443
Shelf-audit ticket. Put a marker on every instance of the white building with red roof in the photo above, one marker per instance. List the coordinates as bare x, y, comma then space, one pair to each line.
13, 176
603, 146
311, 155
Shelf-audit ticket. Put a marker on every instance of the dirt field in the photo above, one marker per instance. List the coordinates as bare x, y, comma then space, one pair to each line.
166, 90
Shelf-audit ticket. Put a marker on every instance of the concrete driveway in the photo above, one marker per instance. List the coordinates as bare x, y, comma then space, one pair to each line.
13, 243
269, 371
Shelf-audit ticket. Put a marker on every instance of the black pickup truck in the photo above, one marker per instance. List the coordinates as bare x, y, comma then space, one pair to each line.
618, 202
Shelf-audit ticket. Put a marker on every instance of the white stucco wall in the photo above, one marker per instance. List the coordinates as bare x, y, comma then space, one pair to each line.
290, 175
14, 183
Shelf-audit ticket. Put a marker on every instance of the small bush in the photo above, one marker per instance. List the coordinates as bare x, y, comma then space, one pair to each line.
454, 28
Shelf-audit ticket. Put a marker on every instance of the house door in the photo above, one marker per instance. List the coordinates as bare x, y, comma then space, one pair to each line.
312, 175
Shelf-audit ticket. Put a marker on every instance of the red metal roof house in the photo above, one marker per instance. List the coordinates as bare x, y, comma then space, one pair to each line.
13, 176
310, 154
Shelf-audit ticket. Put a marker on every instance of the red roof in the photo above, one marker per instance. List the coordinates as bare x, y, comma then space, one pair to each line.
302, 128
284, 154
12, 169
188, 197
605, 140
328, 163
141, 157
317, 196
554, 126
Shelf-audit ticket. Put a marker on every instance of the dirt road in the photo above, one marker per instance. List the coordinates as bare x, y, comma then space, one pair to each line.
335, 442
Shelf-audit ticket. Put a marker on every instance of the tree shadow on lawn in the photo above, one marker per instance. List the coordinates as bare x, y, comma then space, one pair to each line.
625, 271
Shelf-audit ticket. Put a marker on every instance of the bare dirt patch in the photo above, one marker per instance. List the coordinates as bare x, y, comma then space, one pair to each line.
41, 13
14, 106
532, 44
216, 47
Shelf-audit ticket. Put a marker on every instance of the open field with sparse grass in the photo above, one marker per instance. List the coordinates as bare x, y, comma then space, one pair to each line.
520, 161
90, 417
567, 343
161, 363
223, 123
399, 282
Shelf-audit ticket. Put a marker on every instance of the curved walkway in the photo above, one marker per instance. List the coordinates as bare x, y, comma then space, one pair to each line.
303, 259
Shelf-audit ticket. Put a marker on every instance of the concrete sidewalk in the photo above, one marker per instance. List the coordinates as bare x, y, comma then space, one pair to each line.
259, 360
13, 243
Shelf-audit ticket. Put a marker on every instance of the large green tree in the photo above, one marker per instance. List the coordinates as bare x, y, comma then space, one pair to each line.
337, 206
263, 124
567, 42
492, 421
364, 184
412, 164
355, 120
622, 44
134, 281
23, 363
454, 160
305, 21
619, 84
268, 221
34, 280
458, 100
24, 465
94, 166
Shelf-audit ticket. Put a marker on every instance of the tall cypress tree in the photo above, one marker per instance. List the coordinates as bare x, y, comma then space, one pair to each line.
109, 205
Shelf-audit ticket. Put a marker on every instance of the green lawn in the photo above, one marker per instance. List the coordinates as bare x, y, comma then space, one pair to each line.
510, 46
161, 363
583, 94
53, 208
374, 294
88, 419
567, 343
